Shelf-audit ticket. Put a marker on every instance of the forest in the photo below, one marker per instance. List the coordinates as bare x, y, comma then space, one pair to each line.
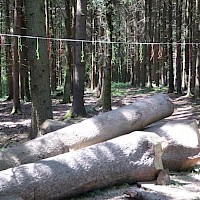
66, 46
62, 51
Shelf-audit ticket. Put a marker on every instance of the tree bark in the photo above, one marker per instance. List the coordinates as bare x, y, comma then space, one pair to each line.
178, 45
1, 29
183, 150
97, 129
9, 63
69, 56
106, 92
150, 37
53, 67
39, 67
16, 62
78, 107
129, 158
170, 56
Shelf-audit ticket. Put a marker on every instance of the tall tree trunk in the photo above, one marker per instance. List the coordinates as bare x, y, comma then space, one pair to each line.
150, 40
197, 77
1, 30
67, 84
137, 55
145, 49
93, 73
178, 46
53, 71
197, 35
189, 49
79, 68
17, 61
38, 62
25, 82
157, 34
164, 76
170, 35
108, 65
192, 47
186, 49
8, 51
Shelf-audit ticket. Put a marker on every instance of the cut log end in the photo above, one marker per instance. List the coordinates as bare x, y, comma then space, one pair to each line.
184, 147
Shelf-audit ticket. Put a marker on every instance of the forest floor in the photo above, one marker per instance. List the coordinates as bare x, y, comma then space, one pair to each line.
15, 129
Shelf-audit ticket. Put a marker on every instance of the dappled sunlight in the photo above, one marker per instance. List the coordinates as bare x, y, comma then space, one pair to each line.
108, 154
92, 167
14, 124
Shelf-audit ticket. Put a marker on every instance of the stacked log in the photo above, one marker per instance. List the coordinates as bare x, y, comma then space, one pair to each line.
129, 158
105, 126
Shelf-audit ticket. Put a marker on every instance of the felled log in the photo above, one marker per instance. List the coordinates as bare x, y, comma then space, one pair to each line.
97, 129
51, 125
129, 158
183, 151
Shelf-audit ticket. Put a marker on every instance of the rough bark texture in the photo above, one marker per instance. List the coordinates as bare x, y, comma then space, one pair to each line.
129, 158
39, 67
91, 131
183, 150
79, 67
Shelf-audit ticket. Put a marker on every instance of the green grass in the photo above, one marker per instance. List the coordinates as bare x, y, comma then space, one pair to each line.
124, 89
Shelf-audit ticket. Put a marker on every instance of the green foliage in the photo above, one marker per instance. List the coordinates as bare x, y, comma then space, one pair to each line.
120, 85
196, 169
68, 115
124, 89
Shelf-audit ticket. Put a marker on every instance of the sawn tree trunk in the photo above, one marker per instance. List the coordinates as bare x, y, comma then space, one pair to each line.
97, 129
183, 151
129, 158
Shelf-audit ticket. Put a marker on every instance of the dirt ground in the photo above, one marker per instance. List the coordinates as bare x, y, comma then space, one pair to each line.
15, 129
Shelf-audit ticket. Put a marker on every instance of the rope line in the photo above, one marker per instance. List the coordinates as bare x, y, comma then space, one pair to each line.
99, 41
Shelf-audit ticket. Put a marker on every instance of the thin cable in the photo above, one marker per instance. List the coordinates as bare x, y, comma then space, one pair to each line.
99, 41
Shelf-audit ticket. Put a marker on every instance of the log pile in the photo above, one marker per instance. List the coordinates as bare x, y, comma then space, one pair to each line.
102, 151
91, 131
